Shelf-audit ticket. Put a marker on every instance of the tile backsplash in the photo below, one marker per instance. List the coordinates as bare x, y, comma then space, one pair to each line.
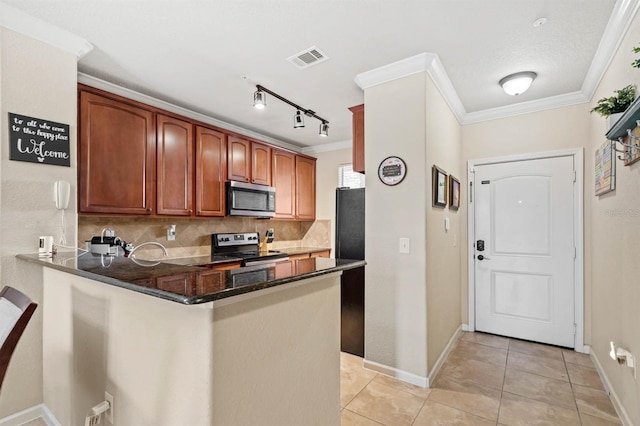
193, 236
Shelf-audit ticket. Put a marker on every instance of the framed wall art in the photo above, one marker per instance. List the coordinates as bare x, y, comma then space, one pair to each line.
605, 168
439, 178
454, 193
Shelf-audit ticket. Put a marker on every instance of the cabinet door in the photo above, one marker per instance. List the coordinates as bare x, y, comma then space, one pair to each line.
305, 188
239, 159
117, 157
211, 172
182, 283
174, 166
283, 172
358, 138
260, 164
210, 281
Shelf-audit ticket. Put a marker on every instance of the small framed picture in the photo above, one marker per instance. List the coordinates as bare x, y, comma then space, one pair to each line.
439, 187
454, 193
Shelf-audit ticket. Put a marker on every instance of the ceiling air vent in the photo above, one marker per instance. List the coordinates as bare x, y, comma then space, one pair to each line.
308, 57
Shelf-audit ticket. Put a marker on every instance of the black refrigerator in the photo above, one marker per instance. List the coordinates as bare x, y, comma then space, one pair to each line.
350, 245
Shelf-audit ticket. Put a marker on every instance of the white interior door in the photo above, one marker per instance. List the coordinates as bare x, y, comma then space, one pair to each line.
525, 273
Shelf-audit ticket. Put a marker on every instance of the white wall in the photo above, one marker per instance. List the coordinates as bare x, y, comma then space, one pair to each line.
36, 80
395, 296
326, 184
615, 248
443, 252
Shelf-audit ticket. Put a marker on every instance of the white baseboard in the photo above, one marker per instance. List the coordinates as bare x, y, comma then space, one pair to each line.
405, 376
617, 404
413, 378
445, 353
465, 327
29, 414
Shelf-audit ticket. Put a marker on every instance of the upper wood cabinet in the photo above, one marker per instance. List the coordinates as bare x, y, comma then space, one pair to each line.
305, 188
239, 159
117, 156
174, 166
358, 138
211, 172
283, 170
249, 161
260, 164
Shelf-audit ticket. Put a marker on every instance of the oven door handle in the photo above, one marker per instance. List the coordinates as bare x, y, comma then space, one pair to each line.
266, 261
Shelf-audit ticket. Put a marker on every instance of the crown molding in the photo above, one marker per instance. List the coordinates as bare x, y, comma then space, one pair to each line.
619, 22
400, 69
333, 146
98, 83
528, 107
20, 22
621, 18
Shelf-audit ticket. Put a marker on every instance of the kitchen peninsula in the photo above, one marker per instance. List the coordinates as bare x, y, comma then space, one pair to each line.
245, 346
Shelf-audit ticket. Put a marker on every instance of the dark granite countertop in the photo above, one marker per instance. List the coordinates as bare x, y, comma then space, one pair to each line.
188, 283
301, 250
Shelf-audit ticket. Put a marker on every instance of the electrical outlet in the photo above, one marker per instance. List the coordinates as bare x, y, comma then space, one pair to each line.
108, 415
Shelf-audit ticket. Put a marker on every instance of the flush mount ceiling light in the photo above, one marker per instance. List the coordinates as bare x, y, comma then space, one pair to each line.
518, 83
298, 120
260, 101
324, 129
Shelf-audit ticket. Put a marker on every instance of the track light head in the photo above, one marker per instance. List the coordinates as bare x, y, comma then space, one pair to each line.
324, 129
259, 99
298, 120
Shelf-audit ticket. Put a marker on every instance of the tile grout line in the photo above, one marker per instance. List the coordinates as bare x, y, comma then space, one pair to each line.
504, 379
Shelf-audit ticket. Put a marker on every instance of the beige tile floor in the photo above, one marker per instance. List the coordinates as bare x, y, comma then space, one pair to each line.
486, 380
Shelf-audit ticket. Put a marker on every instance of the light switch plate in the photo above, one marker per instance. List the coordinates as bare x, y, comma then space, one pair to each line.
446, 223
404, 245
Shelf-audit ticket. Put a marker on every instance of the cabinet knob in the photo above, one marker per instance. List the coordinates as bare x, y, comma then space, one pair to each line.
149, 210
190, 211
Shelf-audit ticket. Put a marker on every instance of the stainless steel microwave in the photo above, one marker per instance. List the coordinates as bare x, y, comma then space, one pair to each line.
248, 199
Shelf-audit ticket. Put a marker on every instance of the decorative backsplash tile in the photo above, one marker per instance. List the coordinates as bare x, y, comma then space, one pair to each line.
193, 236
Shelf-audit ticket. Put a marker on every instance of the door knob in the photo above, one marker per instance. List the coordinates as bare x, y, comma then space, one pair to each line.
481, 257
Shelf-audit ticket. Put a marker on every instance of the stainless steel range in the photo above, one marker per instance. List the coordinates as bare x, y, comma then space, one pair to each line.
245, 245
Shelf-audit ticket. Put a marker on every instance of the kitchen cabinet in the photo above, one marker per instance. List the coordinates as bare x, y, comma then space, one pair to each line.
136, 159
249, 161
224, 266
324, 253
283, 169
211, 172
210, 281
117, 156
182, 283
299, 256
305, 188
260, 164
174, 166
358, 138
239, 159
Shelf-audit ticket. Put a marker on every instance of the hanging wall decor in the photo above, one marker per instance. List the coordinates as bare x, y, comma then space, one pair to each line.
605, 169
439, 179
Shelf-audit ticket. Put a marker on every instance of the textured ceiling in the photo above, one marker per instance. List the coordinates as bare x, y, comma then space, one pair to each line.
208, 56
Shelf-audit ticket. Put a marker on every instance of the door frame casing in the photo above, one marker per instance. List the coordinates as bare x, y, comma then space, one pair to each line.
578, 232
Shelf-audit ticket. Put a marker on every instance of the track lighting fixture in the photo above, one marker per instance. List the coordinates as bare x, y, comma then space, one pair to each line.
260, 101
324, 129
